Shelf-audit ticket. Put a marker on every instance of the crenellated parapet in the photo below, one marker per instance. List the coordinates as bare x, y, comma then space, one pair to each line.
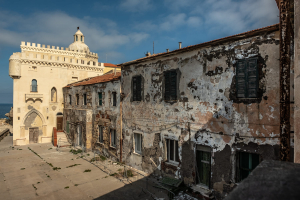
56, 50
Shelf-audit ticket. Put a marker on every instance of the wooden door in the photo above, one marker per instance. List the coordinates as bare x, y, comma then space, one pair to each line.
33, 135
59, 123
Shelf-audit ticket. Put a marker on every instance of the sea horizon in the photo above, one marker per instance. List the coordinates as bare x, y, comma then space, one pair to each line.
5, 108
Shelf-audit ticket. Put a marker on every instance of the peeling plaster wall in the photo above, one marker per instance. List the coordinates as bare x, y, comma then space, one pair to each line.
92, 115
207, 111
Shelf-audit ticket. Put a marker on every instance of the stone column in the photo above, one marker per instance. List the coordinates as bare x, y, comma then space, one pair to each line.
297, 81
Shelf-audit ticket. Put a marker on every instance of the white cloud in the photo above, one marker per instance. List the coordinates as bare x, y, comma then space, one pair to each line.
58, 28
136, 5
180, 4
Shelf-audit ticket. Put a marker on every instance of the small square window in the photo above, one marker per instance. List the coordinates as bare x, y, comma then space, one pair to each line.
138, 143
100, 98
246, 162
113, 138
172, 151
100, 131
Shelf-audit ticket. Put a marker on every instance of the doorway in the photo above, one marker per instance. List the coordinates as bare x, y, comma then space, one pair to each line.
33, 135
59, 122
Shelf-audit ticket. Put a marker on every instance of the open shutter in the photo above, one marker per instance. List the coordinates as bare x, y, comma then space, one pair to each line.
241, 79
252, 76
167, 86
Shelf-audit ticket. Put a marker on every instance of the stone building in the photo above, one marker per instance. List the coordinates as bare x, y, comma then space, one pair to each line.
207, 114
39, 73
92, 114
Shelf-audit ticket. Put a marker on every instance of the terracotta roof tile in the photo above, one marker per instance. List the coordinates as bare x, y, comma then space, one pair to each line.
96, 79
110, 65
238, 36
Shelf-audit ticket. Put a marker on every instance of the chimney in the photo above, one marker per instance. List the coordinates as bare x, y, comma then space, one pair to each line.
179, 45
148, 54
167, 50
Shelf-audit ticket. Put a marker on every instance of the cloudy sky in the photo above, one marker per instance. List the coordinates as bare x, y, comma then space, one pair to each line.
124, 30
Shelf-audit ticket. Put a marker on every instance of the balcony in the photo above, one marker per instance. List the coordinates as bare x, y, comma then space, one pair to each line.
34, 97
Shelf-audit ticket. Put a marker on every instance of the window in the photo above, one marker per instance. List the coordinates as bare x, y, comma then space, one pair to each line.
114, 98
84, 99
203, 160
53, 95
247, 78
70, 99
137, 88
170, 85
81, 38
76, 37
246, 162
33, 85
172, 150
138, 143
68, 128
100, 98
113, 138
77, 99
100, 131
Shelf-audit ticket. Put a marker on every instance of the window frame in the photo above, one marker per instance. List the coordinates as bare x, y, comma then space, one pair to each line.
238, 178
203, 149
172, 86
114, 97
77, 99
32, 86
84, 99
113, 143
175, 153
137, 93
100, 134
100, 99
70, 99
135, 142
239, 77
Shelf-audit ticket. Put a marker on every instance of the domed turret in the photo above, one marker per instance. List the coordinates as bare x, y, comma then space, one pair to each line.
14, 66
78, 43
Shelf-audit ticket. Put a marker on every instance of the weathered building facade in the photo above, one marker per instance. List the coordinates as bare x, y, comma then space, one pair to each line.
92, 114
207, 113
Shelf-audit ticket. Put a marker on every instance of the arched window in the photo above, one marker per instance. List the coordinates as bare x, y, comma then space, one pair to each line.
53, 95
76, 37
33, 85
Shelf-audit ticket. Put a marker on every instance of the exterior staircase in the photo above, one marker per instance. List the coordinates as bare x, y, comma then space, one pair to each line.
62, 140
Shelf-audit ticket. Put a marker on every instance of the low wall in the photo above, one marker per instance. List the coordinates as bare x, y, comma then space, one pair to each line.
4, 133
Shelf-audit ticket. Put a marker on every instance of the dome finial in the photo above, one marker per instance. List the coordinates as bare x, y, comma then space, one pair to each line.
78, 28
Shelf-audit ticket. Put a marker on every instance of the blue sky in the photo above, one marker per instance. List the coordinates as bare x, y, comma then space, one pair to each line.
124, 30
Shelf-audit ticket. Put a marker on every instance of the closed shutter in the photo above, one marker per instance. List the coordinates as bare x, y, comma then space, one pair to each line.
241, 86
138, 88
252, 76
167, 86
171, 85
134, 89
100, 98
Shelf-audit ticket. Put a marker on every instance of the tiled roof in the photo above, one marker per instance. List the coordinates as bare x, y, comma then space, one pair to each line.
97, 79
213, 42
110, 65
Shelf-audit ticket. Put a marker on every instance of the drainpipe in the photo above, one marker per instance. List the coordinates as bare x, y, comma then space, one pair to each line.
121, 138
285, 40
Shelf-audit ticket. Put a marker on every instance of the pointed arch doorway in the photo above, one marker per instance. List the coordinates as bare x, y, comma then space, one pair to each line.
59, 121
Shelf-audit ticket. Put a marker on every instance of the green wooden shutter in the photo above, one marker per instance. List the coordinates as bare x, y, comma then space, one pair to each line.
167, 86
173, 85
134, 88
100, 98
252, 78
241, 79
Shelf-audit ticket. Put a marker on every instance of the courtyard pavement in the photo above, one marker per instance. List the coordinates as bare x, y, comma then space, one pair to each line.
39, 171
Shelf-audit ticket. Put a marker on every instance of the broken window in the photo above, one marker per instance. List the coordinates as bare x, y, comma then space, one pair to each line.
33, 85
247, 78
172, 150
246, 162
70, 99
170, 85
203, 165
100, 130
114, 98
137, 88
100, 98
84, 99
77, 99
113, 138
138, 143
